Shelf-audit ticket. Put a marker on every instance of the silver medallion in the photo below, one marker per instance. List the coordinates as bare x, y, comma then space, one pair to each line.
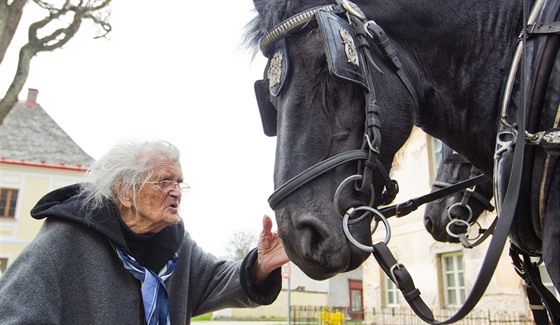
349, 47
274, 71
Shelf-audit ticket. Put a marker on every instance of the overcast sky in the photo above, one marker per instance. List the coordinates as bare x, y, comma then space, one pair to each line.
176, 71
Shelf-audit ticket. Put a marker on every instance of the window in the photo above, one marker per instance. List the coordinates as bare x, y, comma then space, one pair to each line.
356, 310
3, 265
453, 279
435, 148
547, 281
8, 200
391, 293
356, 299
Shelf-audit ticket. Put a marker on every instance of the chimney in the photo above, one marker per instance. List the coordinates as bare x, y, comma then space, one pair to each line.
31, 97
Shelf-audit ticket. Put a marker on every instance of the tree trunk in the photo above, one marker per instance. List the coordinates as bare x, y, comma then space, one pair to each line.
10, 16
10, 99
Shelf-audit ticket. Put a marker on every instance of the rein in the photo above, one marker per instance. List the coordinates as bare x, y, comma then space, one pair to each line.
468, 185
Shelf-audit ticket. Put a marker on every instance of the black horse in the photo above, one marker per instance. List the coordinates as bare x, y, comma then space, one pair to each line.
449, 219
337, 83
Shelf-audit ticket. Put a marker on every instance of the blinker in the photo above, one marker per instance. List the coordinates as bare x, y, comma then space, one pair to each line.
277, 73
343, 61
266, 109
342, 55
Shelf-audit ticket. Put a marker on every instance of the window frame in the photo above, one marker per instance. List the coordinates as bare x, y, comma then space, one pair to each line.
435, 155
458, 287
3, 264
355, 285
10, 204
391, 287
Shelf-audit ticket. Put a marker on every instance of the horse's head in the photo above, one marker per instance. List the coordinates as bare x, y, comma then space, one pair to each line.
451, 215
315, 97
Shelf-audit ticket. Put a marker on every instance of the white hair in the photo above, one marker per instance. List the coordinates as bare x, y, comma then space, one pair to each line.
123, 168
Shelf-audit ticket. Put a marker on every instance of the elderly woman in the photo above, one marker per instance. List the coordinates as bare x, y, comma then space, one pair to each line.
113, 250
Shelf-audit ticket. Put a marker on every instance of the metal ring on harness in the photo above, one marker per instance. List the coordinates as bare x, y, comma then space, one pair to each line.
339, 190
459, 205
353, 240
392, 272
452, 234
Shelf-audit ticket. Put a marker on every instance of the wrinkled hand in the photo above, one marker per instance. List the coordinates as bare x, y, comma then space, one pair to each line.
271, 254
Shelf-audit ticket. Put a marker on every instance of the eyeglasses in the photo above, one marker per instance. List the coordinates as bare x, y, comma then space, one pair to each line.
169, 185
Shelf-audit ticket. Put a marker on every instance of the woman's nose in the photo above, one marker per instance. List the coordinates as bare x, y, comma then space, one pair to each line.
176, 191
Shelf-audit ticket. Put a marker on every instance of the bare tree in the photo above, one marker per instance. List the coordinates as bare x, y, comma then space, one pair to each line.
62, 21
240, 243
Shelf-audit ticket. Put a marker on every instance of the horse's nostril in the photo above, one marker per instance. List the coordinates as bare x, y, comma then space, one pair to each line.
313, 239
428, 224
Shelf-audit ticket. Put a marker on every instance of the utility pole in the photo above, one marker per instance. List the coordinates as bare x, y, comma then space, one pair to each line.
286, 272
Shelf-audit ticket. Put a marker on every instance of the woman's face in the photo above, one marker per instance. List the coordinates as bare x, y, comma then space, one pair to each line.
156, 207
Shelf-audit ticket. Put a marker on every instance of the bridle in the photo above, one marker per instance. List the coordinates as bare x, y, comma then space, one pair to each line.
354, 35
465, 205
273, 46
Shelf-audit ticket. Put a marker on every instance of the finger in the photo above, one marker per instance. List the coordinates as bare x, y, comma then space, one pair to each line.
267, 224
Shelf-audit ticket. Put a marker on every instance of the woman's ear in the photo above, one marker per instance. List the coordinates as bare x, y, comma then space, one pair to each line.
124, 198
125, 201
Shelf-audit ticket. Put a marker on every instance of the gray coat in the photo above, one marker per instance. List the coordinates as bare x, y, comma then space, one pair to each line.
70, 274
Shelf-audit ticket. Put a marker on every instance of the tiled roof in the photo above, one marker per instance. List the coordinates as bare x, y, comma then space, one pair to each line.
30, 135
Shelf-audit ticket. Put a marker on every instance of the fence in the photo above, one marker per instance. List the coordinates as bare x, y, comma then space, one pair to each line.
400, 316
325, 315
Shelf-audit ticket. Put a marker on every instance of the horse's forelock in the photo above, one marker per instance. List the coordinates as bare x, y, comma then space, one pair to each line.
270, 14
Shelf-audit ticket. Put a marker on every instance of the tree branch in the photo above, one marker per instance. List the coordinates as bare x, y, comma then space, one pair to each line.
96, 11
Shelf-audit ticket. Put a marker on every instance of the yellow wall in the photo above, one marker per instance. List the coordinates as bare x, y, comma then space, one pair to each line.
32, 183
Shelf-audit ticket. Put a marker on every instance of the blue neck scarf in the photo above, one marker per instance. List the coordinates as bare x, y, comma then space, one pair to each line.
154, 292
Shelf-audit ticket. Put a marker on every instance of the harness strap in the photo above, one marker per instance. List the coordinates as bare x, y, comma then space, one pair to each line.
485, 234
399, 275
312, 172
386, 47
544, 28
541, 300
402, 209
549, 140
477, 196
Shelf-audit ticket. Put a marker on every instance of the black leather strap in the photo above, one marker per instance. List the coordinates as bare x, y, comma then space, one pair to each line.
551, 27
541, 301
313, 172
407, 207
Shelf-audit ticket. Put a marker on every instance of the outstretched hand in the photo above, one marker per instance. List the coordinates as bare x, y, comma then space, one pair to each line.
271, 254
